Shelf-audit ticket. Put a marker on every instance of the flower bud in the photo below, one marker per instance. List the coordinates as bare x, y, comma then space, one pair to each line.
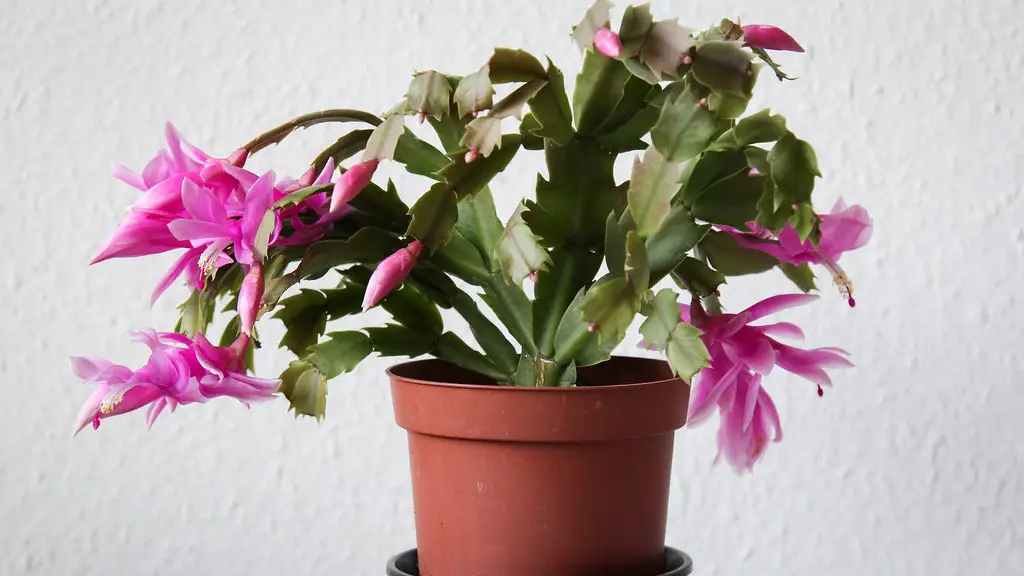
352, 183
769, 38
250, 296
607, 43
390, 273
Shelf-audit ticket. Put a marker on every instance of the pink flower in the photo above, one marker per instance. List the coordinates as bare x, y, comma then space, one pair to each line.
607, 43
179, 371
210, 228
208, 223
769, 38
250, 296
846, 228
751, 423
183, 183
352, 183
144, 231
741, 354
390, 273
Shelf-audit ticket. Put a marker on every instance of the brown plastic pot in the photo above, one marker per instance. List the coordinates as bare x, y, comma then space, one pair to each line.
512, 481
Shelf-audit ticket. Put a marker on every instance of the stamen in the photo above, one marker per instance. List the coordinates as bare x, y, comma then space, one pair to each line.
839, 278
110, 401
820, 391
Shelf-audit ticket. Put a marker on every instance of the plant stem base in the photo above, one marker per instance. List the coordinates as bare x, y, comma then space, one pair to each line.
677, 563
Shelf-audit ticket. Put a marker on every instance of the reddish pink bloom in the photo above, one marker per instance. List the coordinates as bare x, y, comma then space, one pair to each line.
210, 229
741, 354
390, 273
608, 43
144, 229
249, 297
182, 184
352, 183
751, 423
844, 229
179, 371
769, 38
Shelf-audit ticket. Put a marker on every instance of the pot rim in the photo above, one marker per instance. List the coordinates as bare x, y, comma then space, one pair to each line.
563, 389
593, 412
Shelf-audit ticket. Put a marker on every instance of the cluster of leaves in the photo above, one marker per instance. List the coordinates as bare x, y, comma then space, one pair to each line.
676, 95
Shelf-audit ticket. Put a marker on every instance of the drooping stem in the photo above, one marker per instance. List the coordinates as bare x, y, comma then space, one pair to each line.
305, 121
348, 145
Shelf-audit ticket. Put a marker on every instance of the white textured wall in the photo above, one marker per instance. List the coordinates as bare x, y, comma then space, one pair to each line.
911, 466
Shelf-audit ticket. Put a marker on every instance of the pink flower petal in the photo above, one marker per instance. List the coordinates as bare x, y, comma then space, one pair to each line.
751, 349
810, 364
189, 258
201, 203
753, 390
89, 410
776, 304
128, 176
88, 367
711, 383
325, 174
782, 329
154, 411
198, 232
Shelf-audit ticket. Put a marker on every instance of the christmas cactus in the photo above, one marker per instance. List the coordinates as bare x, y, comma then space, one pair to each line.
715, 191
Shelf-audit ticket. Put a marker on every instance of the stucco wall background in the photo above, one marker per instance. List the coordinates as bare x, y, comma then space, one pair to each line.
912, 465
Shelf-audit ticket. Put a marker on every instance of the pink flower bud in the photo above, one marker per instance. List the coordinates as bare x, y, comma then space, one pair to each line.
238, 157
769, 38
390, 273
352, 183
250, 296
608, 43
307, 177
472, 155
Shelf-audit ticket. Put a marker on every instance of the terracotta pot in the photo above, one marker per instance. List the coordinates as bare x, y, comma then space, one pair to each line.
514, 481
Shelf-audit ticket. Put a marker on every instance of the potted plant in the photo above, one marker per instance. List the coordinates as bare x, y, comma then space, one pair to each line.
536, 451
